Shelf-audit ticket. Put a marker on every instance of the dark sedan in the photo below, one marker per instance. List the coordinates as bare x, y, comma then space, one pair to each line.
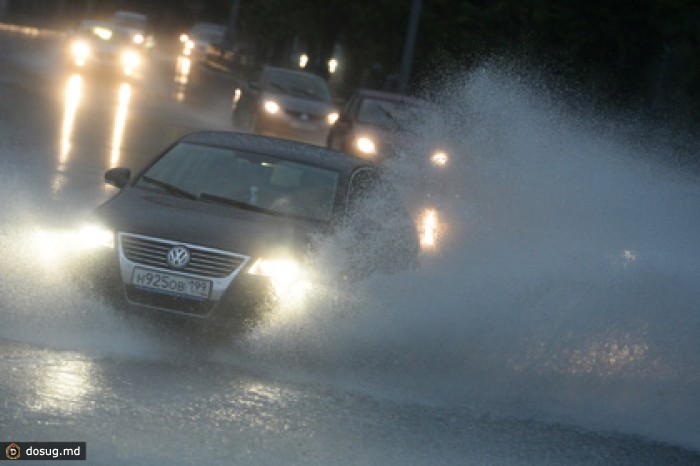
285, 103
221, 221
374, 124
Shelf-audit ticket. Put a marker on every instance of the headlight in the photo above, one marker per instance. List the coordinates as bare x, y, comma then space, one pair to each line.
55, 244
184, 38
138, 39
439, 158
80, 50
130, 59
366, 145
332, 118
281, 271
95, 236
103, 33
189, 44
271, 106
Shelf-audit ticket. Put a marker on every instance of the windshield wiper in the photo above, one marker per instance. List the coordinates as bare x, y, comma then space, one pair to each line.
239, 204
391, 117
169, 188
279, 87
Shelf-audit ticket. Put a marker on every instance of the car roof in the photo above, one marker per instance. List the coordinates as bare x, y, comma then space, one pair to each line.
281, 148
290, 71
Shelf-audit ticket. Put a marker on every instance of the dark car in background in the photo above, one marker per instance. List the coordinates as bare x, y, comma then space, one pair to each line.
221, 222
102, 46
285, 103
374, 125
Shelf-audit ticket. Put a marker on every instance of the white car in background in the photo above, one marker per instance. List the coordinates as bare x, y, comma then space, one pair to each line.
99, 46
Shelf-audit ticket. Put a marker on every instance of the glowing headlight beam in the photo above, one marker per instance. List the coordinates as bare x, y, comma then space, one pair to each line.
94, 236
332, 65
366, 145
332, 118
284, 271
102, 33
439, 158
73, 94
428, 229
120, 123
130, 59
80, 51
271, 106
138, 39
53, 245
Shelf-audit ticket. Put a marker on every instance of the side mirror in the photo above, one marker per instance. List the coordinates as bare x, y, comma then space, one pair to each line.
118, 177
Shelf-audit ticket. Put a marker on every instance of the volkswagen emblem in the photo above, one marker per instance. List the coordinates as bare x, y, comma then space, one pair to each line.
178, 257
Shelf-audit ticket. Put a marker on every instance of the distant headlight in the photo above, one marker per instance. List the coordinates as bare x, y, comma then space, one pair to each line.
332, 118
281, 271
184, 38
80, 50
439, 158
102, 33
366, 145
271, 106
131, 59
138, 39
189, 44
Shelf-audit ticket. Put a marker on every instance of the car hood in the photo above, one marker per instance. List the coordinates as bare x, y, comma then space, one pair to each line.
300, 104
150, 213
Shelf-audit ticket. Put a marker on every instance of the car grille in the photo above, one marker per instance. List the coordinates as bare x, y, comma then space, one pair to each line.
310, 117
204, 262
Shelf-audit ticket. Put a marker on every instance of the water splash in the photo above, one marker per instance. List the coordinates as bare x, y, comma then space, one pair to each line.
568, 288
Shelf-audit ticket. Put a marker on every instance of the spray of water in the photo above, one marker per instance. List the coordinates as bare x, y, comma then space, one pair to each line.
566, 286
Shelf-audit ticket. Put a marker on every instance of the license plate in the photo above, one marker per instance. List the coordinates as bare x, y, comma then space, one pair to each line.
170, 284
304, 125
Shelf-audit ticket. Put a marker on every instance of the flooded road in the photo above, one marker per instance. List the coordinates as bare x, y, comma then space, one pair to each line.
418, 368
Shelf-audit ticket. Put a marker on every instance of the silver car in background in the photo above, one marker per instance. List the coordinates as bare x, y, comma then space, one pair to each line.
285, 103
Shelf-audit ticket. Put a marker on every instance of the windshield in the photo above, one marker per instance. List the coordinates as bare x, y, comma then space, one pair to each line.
299, 84
130, 20
103, 33
246, 180
386, 112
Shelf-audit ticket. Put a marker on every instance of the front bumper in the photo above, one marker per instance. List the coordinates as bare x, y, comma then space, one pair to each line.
117, 274
312, 131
